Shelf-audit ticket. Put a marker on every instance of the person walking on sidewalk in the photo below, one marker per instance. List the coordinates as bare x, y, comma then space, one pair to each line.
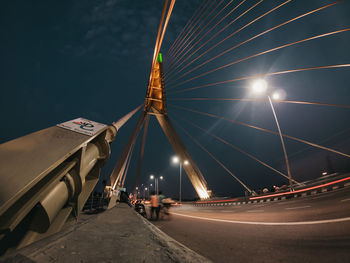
160, 203
154, 205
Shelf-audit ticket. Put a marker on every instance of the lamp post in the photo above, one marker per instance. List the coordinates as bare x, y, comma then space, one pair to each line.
176, 160
144, 192
259, 87
156, 186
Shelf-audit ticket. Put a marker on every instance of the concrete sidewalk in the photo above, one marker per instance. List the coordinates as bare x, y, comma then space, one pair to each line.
117, 235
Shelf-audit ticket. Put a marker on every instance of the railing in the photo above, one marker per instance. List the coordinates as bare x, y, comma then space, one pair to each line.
317, 186
96, 203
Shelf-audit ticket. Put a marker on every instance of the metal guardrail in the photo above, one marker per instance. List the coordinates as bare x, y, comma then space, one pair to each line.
96, 203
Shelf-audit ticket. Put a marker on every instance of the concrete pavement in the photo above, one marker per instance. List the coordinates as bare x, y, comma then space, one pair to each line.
117, 235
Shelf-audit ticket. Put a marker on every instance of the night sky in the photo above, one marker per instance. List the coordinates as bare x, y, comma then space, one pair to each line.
66, 59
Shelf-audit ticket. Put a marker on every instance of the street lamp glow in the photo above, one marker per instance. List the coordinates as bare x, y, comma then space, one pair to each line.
176, 159
161, 177
279, 95
151, 176
276, 96
186, 162
146, 188
259, 86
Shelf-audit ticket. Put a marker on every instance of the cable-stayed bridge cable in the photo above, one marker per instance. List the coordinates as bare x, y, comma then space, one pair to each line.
263, 53
262, 129
213, 157
261, 75
237, 148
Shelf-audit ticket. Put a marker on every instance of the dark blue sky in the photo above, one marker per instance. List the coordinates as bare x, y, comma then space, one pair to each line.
66, 59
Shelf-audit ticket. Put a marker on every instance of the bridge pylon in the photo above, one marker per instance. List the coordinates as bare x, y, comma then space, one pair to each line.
155, 105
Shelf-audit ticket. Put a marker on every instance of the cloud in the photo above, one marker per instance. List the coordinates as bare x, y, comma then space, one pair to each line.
114, 29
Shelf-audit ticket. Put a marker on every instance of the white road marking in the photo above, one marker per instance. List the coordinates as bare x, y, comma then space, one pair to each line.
298, 207
324, 196
336, 220
313, 198
254, 211
345, 200
286, 202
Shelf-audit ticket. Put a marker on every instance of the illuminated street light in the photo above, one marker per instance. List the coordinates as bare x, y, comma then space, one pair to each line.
276, 96
259, 86
279, 95
156, 184
144, 192
176, 160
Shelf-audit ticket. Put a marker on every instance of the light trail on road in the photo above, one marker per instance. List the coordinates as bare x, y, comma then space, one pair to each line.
336, 220
313, 231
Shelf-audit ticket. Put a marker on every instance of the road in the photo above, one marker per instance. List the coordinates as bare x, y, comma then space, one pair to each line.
308, 229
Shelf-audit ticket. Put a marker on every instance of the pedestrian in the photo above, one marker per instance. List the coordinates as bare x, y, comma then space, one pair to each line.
124, 198
154, 205
160, 203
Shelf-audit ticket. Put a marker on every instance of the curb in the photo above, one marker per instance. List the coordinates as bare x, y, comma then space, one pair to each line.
177, 251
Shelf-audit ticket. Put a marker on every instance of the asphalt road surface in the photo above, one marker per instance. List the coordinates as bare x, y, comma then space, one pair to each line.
308, 229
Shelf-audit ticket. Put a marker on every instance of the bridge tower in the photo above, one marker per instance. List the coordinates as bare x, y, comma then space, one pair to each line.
155, 104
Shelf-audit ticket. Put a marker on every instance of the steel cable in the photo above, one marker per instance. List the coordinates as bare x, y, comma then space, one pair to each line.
261, 129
